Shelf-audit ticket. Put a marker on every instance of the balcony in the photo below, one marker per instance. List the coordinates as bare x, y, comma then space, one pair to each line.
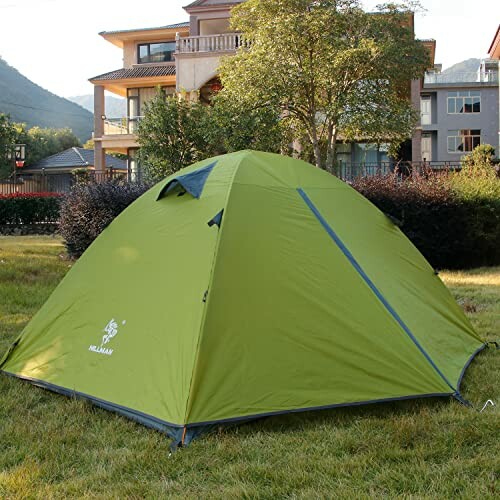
121, 126
228, 42
475, 77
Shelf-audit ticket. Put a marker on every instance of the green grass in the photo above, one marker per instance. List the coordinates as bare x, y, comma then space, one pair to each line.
56, 447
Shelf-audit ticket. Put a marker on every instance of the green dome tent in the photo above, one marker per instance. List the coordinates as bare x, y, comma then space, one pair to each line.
246, 285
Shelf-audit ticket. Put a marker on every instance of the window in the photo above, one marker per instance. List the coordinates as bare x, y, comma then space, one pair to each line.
468, 101
138, 97
156, 52
463, 141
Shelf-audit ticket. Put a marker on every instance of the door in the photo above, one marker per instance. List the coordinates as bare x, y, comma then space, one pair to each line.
425, 110
426, 148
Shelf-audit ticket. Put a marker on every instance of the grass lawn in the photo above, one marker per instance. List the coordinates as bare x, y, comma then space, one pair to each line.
53, 447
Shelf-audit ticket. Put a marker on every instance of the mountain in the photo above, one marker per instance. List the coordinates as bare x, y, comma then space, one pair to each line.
27, 102
116, 107
467, 66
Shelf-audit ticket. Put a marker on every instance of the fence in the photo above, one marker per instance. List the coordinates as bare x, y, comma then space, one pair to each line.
350, 171
55, 183
62, 183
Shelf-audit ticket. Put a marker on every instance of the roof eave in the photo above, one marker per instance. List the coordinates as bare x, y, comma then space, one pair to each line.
118, 38
494, 50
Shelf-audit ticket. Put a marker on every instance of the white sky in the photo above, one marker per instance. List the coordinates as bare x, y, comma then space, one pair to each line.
55, 43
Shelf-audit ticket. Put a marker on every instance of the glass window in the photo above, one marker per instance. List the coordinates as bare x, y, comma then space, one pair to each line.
464, 102
463, 141
156, 52
476, 104
143, 52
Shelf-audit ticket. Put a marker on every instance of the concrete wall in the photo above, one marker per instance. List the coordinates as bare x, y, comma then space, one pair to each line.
194, 70
487, 120
99, 110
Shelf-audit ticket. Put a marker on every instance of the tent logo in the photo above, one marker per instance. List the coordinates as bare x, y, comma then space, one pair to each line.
110, 331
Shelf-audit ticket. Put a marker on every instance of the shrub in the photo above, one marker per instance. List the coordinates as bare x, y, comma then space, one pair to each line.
29, 208
90, 208
453, 219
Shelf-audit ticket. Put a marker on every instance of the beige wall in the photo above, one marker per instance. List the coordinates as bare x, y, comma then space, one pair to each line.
129, 54
194, 70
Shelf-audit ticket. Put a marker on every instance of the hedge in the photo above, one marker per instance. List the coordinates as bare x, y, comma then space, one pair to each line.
452, 227
90, 207
22, 209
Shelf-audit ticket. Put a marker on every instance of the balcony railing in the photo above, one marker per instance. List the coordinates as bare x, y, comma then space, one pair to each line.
475, 77
121, 126
228, 42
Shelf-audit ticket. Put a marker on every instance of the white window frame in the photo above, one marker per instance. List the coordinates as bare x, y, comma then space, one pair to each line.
460, 137
465, 95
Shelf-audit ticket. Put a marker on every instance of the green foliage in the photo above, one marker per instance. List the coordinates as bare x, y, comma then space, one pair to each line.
90, 207
40, 142
478, 179
7, 139
44, 142
28, 209
235, 128
453, 219
172, 135
58, 447
175, 133
480, 159
340, 72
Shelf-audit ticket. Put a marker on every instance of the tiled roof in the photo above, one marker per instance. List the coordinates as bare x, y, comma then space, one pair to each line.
140, 71
76, 158
208, 3
168, 27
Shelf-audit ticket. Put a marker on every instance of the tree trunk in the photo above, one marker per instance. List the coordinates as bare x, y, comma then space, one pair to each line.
315, 145
331, 155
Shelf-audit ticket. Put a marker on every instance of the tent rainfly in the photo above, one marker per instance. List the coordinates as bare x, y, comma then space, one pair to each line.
246, 285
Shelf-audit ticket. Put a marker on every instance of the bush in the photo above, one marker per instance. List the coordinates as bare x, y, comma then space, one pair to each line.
453, 219
90, 208
29, 208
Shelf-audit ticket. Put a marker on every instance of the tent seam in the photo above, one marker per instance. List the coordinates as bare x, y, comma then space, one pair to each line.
343, 248
207, 302
319, 408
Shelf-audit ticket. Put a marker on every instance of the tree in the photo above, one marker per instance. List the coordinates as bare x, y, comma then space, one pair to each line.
44, 142
332, 70
175, 133
172, 135
7, 140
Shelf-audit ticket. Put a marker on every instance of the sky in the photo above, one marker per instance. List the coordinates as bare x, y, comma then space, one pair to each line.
55, 43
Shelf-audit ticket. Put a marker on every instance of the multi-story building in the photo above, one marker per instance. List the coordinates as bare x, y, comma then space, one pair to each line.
178, 57
494, 53
185, 57
459, 111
